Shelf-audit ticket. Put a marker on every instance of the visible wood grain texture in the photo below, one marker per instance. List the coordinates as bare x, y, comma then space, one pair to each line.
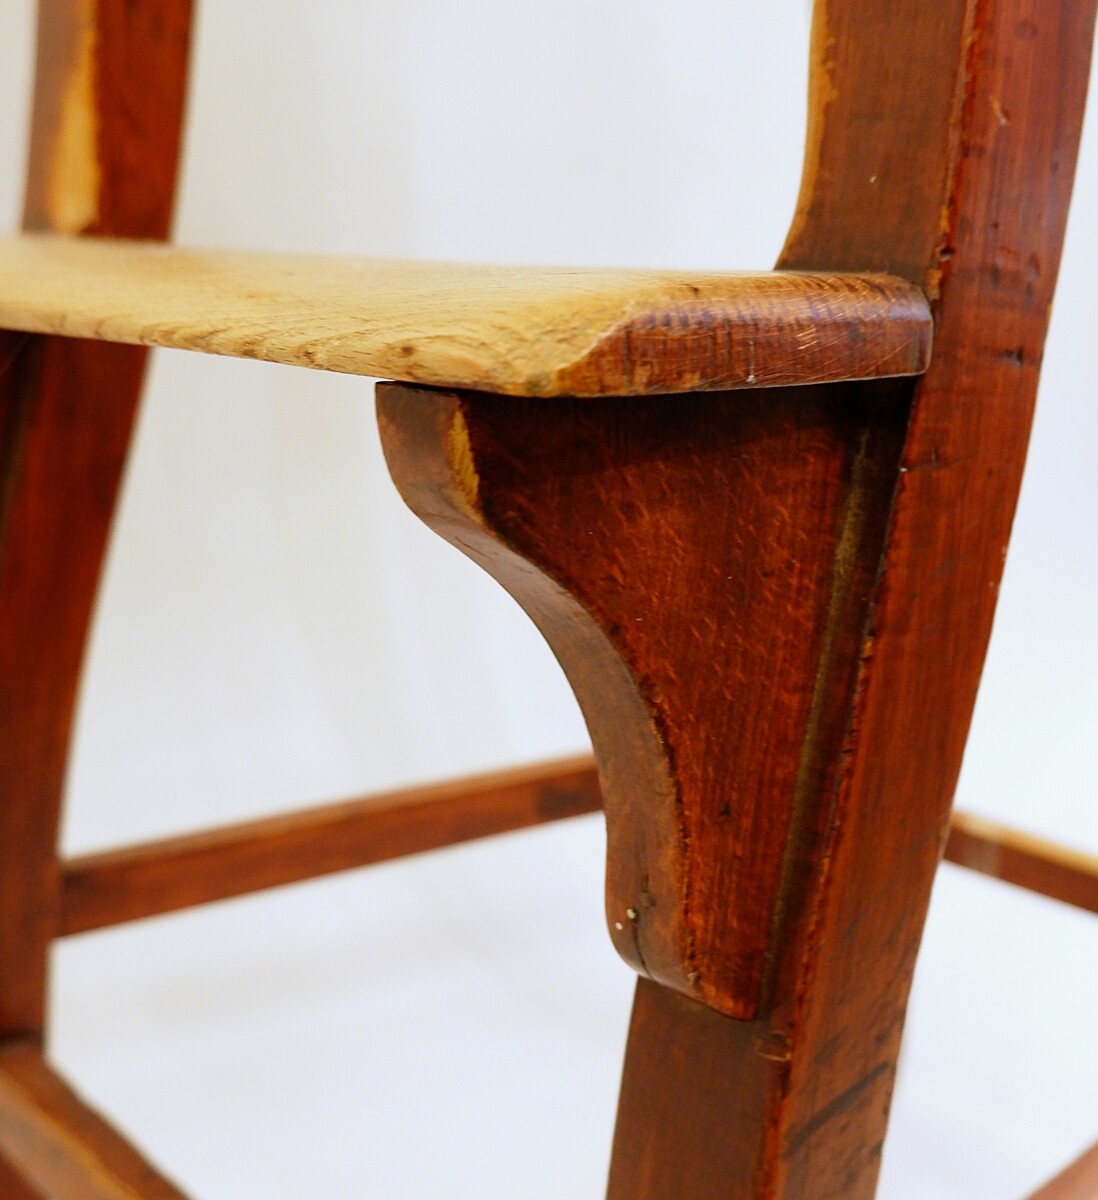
997, 253
115, 886
683, 552
1077, 1182
1024, 860
778, 667
63, 1147
518, 331
104, 145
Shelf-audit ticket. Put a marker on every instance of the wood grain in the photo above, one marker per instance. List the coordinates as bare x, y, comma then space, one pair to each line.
13, 1186
1026, 861
683, 552
115, 886
104, 148
63, 1147
778, 667
1077, 1182
997, 243
517, 331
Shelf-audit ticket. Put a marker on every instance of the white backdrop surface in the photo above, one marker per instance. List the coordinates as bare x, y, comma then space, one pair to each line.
275, 628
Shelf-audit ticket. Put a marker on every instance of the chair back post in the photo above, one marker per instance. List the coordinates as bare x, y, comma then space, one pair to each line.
942, 147
107, 118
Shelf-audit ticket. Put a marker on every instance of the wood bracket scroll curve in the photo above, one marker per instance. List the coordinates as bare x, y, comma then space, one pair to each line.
691, 561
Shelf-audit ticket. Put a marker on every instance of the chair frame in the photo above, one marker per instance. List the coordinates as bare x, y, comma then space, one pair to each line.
773, 605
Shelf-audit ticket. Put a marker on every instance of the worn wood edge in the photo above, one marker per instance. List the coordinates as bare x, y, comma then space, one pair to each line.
65, 1149
117, 886
1024, 860
1079, 1181
506, 330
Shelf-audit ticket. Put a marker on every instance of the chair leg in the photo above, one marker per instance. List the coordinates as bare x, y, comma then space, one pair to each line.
692, 1117
703, 567
67, 410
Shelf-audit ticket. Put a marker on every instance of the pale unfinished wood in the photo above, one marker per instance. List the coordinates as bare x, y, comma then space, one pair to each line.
64, 1148
115, 886
1024, 860
516, 331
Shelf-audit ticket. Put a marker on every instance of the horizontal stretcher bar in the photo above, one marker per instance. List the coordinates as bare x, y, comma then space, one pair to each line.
116, 886
164, 876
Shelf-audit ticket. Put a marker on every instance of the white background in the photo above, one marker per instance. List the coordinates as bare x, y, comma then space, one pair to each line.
276, 629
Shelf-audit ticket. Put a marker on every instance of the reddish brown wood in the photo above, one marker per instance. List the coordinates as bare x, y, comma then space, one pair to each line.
14, 1187
522, 331
62, 1146
1077, 1182
775, 620
115, 886
697, 657
845, 950
679, 1054
998, 255
105, 140
1024, 860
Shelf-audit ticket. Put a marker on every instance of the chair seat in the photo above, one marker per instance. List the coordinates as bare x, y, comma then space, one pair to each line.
517, 331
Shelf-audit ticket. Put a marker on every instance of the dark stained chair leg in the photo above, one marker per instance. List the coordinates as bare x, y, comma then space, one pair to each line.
66, 410
705, 567
774, 606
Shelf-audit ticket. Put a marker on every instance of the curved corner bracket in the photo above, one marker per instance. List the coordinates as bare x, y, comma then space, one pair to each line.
695, 563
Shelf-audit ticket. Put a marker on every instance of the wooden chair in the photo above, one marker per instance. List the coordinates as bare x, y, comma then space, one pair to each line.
758, 518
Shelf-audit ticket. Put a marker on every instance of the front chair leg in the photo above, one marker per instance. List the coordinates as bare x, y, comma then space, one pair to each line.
704, 568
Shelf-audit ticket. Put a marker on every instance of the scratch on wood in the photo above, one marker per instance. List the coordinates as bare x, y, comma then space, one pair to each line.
838, 1105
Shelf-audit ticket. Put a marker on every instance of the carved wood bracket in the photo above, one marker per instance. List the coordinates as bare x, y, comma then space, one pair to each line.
701, 567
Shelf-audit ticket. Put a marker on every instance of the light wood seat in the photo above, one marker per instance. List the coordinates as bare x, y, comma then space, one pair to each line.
513, 330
